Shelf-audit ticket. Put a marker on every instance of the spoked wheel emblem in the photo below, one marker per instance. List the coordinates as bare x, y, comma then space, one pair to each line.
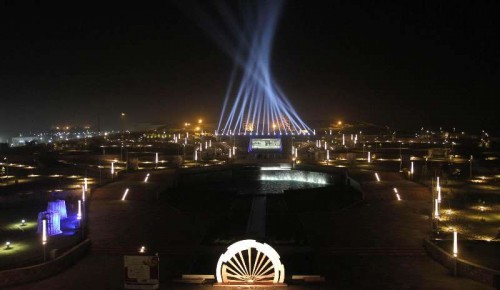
250, 262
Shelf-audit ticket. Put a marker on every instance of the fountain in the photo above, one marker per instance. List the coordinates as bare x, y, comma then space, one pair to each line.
58, 206
53, 222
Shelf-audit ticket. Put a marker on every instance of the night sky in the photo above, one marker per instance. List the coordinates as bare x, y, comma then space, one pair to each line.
405, 65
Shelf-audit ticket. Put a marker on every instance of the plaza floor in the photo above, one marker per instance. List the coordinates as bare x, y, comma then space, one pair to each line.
376, 244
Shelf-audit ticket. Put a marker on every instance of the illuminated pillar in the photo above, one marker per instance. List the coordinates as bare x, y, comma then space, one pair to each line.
83, 193
230, 153
439, 194
125, 194
326, 145
112, 168
455, 252
470, 167
156, 158
195, 155
455, 244
377, 177
328, 155
343, 139
411, 168
397, 194
44, 231
79, 214
146, 178
206, 145
369, 157
44, 238
210, 143
234, 151
85, 183
436, 209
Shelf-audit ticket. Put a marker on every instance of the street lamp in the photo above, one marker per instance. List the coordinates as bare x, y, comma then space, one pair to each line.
79, 214
455, 252
436, 209
44, 238
470, 167
400, 157
6, 169
455, 244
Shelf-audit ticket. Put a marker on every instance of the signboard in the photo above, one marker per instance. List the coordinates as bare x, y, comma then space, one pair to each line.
265, 144
141, 272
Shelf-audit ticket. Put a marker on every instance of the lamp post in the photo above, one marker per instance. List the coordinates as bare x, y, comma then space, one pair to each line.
470, 167
400, 158
79, 217
436, 209
455, 252
6, 169
122, 119
44, 238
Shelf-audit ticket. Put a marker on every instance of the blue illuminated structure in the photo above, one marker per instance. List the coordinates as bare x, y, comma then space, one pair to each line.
58, 206
53, 222
259, 106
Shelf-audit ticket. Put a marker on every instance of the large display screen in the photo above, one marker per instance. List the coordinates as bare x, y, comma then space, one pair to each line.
265, 144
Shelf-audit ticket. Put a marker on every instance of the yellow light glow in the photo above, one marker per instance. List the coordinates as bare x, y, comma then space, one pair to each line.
200, 121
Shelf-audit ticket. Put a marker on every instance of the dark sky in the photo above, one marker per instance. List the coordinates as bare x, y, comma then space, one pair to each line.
411, 63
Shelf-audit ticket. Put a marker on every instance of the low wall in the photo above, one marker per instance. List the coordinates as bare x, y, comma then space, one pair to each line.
465, 269
44, 270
